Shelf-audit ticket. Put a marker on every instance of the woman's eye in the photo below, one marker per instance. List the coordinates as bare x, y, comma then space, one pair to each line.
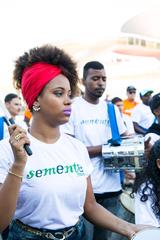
58, 94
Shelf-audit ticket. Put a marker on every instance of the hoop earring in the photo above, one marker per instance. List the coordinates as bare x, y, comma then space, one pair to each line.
36, 108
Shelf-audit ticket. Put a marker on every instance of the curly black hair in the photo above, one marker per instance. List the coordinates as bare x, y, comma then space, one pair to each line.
147, 182
49, 54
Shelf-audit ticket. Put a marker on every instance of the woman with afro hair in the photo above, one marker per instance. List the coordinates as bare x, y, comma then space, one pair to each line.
44, 194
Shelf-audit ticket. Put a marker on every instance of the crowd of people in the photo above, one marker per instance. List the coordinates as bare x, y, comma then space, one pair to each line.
62, 189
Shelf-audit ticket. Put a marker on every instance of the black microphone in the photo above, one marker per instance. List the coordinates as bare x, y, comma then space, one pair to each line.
10, 121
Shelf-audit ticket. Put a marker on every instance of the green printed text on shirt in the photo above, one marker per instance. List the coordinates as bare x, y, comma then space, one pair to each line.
59, 169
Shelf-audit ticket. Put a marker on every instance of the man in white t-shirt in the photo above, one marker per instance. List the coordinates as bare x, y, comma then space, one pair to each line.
142, 116
89, 123
127, 120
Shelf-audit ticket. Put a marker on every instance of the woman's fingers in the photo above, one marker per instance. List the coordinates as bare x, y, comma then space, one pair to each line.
18, 138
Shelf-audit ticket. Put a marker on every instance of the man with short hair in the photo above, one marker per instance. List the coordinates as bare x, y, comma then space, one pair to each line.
130, 102
13, 104
89, 122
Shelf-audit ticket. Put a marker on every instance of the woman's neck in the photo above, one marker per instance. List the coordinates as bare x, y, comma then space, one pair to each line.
44, 132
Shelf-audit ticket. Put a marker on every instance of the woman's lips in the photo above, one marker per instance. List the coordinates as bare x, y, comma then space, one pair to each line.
67, 112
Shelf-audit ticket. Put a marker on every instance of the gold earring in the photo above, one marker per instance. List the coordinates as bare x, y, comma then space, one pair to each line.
36, 108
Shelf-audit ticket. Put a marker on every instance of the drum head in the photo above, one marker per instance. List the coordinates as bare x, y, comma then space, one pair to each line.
127, 201
147, 234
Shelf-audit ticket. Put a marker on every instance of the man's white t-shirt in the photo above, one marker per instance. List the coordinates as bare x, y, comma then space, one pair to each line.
144, 213
90, 124
142, 115
53, 190
129, 124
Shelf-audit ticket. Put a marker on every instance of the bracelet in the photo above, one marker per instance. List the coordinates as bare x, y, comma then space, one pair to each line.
16, 175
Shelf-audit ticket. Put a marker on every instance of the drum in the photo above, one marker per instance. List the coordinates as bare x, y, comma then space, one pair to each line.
127, 206
129, 155
127, 202
147, 234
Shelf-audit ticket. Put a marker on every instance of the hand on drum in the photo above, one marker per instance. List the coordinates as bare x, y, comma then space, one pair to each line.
130, 175
147, 234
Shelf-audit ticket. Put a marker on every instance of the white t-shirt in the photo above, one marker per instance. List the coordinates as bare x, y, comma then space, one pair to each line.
129, 124
90, 124
142, 115
53, 189
144, 213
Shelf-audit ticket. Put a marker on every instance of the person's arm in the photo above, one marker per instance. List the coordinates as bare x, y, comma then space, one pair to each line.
95, 151
147, 146
138, 129
9, 190
99, 216
125, 134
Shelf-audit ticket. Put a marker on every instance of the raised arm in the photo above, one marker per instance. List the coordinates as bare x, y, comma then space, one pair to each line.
9, 190
98, 215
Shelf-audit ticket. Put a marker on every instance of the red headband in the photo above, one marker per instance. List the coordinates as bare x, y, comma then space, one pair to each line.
34, 79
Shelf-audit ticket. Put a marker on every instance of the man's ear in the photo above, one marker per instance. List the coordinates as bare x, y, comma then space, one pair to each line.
158, 163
